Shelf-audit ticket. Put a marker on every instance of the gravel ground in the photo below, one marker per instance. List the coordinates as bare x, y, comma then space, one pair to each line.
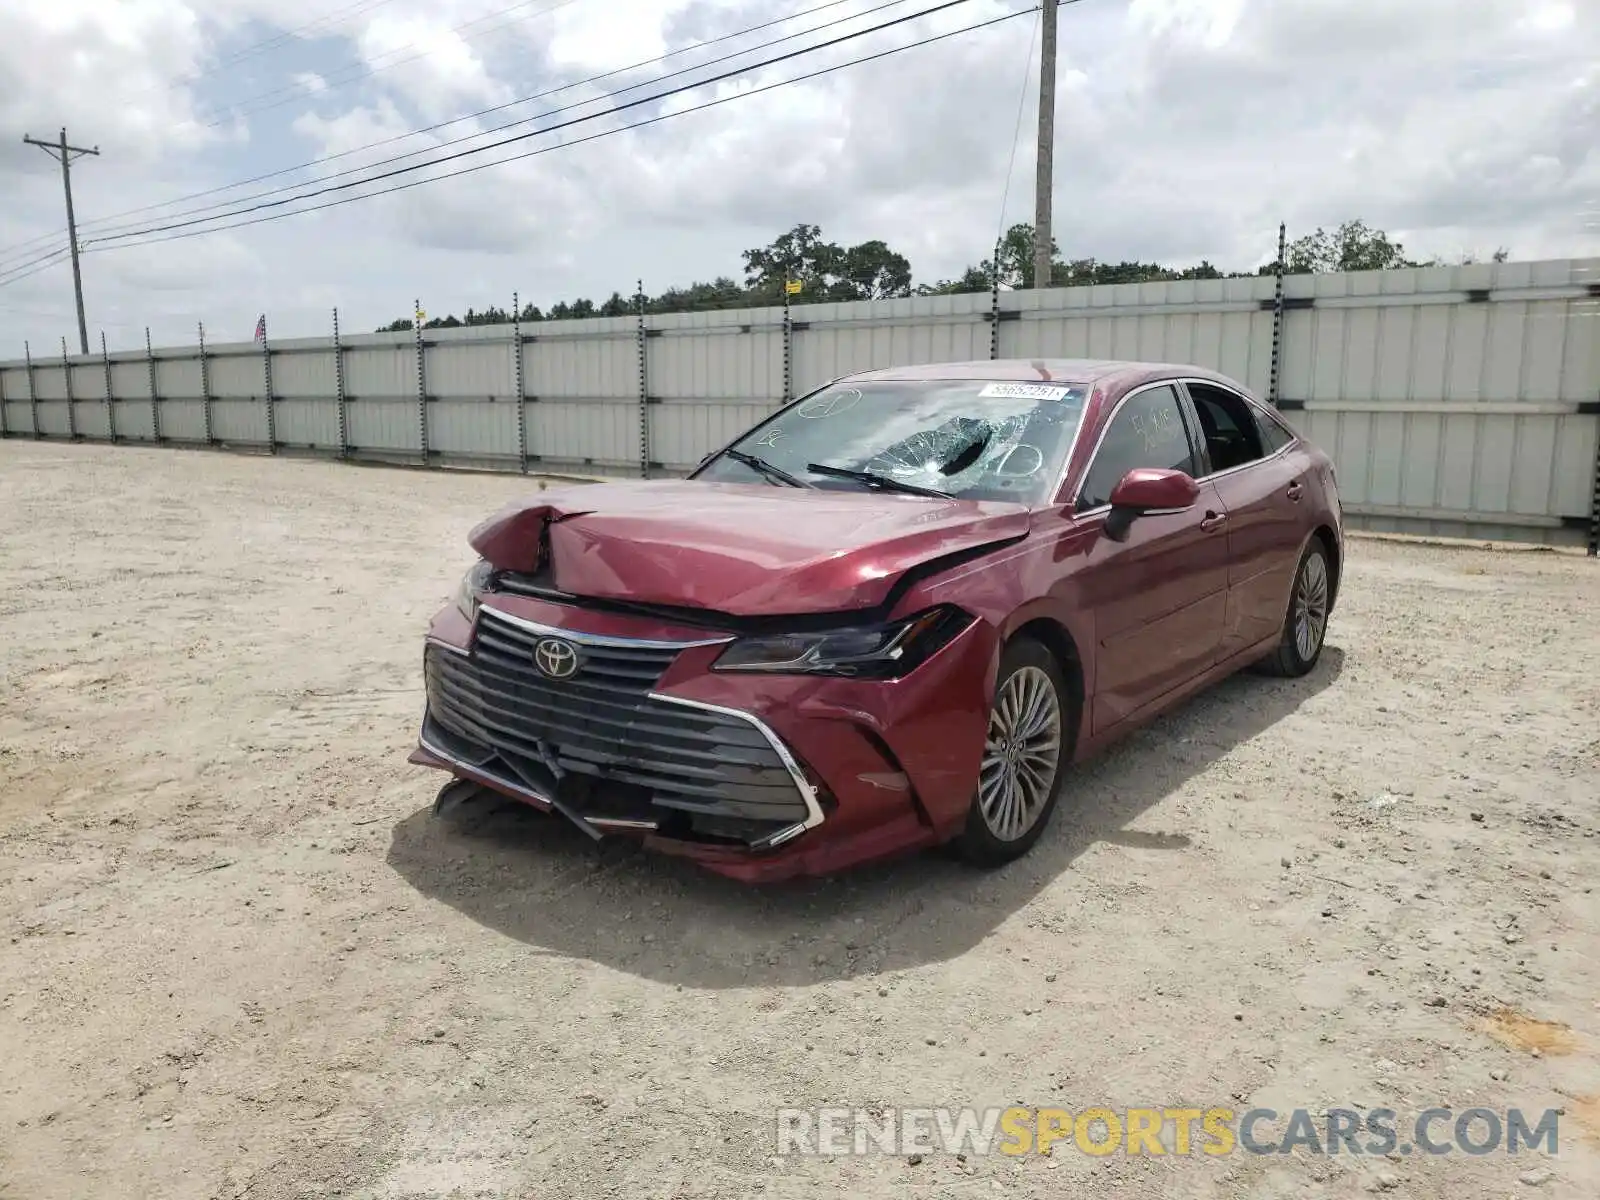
240, 958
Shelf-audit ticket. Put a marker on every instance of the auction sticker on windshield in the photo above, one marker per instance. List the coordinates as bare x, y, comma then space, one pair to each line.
1028, 391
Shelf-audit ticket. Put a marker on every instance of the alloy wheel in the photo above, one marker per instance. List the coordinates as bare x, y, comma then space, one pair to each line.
1020, 753
1311, 606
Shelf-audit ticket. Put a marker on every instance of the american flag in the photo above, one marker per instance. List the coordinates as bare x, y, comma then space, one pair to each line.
261, 328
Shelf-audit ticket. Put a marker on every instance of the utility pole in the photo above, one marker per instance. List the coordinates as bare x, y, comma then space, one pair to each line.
1044, 180
64, 154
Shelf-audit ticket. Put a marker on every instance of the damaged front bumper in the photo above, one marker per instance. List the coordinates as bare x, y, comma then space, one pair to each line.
760, 779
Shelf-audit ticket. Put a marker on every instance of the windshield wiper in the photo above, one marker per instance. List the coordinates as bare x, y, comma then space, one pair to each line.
873, 479
763, 467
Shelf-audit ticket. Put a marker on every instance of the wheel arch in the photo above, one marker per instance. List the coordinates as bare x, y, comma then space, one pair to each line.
1330, 547
1058, 640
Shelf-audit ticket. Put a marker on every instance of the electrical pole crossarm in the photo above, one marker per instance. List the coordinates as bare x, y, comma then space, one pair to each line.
64, 153
56, 146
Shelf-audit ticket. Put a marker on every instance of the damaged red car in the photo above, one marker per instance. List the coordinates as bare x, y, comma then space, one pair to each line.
892, 615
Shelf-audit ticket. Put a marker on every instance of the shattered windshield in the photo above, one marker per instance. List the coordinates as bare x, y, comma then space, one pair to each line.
972, 438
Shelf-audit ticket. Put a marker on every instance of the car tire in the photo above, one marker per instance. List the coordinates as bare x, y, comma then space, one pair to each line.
1012, 803
1305, 619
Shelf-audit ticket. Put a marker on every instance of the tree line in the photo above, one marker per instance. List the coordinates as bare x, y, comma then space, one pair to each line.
827, 271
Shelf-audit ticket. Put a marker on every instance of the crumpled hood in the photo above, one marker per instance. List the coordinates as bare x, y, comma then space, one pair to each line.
741, 549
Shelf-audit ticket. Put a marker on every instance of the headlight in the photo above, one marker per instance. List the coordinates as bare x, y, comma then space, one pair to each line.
471, 587
869, 651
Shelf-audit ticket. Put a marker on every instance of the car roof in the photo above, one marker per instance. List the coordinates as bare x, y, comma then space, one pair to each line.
1112, 375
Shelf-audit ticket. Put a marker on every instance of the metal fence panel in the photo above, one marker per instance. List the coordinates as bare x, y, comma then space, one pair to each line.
567, 367
178, 377
14, 384
233, 376
49, 381
717, 364
235, 419
53, 418
838, 339
375, 372
586, 433
90, 414
470, 368
303, 374
133, 420
484, 428
682, 432
19, 417
88, 380
306, 424
185, 421
385, 426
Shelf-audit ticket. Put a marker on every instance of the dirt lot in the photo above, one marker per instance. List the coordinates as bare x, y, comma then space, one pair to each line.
240, 958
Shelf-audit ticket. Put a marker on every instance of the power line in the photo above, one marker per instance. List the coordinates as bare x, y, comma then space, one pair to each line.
295, 92
57, 252
44, 264
483, 133
591, 137
522, 137
99, 223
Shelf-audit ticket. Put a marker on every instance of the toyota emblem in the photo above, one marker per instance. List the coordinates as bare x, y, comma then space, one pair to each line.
555, 658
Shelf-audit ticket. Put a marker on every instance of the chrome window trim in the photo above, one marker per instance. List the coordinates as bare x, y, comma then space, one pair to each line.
1249, 404
1184, 381
1105, 427
814, 813
595, 639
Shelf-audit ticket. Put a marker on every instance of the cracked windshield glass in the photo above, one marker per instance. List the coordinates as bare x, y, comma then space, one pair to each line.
973, 439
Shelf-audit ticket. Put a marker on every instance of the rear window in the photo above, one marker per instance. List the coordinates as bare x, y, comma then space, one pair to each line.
1275, 435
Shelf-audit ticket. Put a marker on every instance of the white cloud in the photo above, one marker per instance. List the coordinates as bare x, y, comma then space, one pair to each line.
1186, 129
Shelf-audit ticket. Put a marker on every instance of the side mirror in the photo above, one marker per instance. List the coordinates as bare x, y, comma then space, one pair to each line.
1146, 490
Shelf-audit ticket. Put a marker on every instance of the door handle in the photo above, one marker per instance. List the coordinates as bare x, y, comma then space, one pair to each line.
1213, 520
1295, 491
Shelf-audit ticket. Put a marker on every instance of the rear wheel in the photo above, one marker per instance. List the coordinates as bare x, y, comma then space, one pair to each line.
1305, 625
1025, 749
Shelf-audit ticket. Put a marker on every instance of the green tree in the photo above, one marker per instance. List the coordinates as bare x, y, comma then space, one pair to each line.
799, 254
825, 270
872, 271
1354, 246
721, 292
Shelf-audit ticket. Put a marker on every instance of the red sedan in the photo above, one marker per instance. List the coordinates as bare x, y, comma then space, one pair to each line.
891, 615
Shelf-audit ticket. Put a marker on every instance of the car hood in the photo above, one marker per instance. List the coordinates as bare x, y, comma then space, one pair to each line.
744, 550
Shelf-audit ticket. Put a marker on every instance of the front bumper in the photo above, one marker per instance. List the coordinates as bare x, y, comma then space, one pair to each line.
759, 777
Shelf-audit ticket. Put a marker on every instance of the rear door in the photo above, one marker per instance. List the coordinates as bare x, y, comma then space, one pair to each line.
1260, 474
1158, 597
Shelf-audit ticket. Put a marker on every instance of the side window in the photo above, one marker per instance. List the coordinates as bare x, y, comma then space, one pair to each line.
1228, 426
1148, 431
1275, 435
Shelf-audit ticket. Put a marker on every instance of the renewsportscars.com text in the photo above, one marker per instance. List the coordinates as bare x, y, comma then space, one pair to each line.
1158, 1131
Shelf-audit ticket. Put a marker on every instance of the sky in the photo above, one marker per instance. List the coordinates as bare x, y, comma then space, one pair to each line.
1186, 130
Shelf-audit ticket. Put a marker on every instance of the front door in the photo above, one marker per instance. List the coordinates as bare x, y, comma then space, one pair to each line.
1158, 597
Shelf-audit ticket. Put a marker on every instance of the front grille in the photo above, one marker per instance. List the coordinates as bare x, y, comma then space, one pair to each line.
601, 723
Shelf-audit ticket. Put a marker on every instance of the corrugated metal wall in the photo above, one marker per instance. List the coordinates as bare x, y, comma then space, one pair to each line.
1458, 400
